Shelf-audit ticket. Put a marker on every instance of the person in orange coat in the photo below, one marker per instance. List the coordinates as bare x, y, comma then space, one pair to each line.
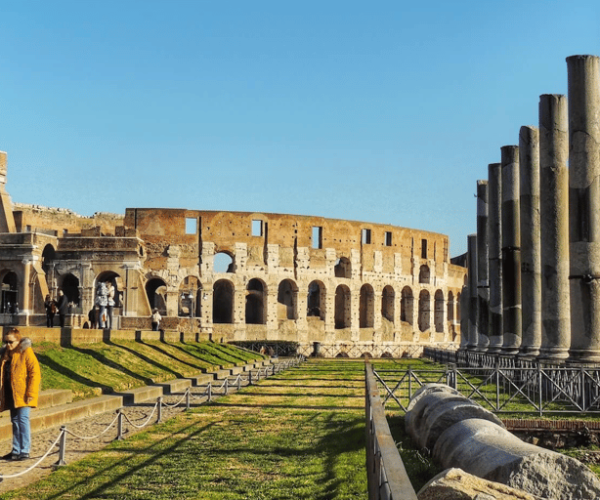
20, 378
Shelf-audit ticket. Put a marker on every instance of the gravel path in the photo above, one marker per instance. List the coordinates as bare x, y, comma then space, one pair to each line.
78, 448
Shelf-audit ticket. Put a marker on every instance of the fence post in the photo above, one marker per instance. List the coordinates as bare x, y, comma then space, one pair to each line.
226, 386
583, 392
239, 382
541, 397
250, 377
159, 403
187, 398
209, 391
119, 425
62, 447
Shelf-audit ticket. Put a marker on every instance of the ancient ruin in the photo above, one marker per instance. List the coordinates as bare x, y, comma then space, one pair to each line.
354, 288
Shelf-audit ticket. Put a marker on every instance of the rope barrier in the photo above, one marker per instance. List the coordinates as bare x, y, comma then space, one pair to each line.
62, 436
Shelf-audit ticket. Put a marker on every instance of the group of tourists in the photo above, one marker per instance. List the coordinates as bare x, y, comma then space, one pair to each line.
54, 307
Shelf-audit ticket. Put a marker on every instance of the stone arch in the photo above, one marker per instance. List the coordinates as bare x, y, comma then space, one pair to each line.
343, 268
156, 291
424, 311
223, 262
115, 280
255, 302
451, 307
342, 355
407, 305
287, 300
316, 299
223, 293
188, 302
367, 306
387, 354
70, 287
424, 274
388, 303
10, 292
343, 311
366, 355
438, 311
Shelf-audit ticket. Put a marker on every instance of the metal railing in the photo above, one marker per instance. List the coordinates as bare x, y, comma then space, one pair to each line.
538, 389
386, 475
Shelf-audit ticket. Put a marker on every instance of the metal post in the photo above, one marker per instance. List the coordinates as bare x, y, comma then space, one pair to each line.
62, 447
209, 388
250, 377
239, 382
187, 398
159, 403
119, 425
226, 386
583, 402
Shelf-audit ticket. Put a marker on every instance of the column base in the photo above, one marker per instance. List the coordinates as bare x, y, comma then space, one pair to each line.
557, 354
584, 356
529, 352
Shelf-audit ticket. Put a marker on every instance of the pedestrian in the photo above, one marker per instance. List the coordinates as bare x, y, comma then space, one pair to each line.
50, 306
156, 317
63, 307
20, 378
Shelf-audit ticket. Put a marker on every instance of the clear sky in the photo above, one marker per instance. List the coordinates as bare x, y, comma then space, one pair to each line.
384, 111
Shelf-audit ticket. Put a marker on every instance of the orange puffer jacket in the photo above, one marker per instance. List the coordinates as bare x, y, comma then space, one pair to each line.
25, 376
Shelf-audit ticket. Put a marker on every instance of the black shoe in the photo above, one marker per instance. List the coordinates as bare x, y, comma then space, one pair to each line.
22, 456
10, 456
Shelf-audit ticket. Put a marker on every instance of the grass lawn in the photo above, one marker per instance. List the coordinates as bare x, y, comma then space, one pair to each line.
297, 435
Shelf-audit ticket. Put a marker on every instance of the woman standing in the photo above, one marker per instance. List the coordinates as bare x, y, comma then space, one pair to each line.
19, 389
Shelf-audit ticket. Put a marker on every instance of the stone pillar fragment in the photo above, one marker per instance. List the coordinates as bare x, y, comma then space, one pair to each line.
531, 278
473, 298
511, 251
554, 206
483, 286
495, 255
584, 206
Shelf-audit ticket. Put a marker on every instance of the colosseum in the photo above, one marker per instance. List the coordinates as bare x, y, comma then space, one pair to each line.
344, 287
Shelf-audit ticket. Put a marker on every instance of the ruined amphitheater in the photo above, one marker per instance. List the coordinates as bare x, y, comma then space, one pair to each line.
344, 287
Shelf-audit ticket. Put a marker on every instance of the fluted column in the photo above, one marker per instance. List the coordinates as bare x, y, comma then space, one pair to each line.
495, 255
531, 276
511, 251
483, 286
554, 206
584, 206
473, 298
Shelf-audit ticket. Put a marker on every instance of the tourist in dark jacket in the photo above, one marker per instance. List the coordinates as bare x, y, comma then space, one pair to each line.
50, 306
63, 307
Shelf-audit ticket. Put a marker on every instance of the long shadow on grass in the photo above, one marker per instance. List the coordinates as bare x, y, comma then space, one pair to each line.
169, 355
112, 364
67, 372
208, 364
147, 359
98, 492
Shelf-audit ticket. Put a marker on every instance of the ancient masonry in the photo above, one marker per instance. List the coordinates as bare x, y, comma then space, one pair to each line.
351, 287
538, 252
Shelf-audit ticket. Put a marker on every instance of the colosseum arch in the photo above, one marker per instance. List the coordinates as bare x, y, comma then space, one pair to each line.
343, 268
287, 300
156, 291
424, 274
438, 311
388, 303
223, 293
223, 262
70, 287
424, 311
343, 311
10, 292
407, 305
367, 306
189, 297
316, 299
255, 302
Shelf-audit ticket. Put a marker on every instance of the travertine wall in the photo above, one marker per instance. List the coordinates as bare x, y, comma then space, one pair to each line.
354, 287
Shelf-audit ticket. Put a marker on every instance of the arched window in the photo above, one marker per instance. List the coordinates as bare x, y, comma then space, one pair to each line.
156, 290
9, 293
70, 287
424, 311
407, 305
315, 304
255, 302
223, 292
223, 263
387, 303
287, 299
424, 274
438, 311
342, 307
189, 297
367, 306
343, 268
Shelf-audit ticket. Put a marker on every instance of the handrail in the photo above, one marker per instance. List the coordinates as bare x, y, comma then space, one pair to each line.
386, 475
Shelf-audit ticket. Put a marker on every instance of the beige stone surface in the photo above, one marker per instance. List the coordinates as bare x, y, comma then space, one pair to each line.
455, 484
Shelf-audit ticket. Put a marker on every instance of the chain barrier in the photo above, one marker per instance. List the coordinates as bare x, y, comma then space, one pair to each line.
61, 440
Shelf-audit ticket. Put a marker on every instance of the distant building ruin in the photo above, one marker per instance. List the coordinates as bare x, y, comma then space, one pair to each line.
354, 287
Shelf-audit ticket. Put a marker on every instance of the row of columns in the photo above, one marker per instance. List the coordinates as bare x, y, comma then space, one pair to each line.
534, 264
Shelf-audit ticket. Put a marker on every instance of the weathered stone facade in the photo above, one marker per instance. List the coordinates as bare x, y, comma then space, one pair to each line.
354, 287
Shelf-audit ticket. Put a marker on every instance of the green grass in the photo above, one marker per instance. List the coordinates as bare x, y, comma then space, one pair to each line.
93, 369
297, 435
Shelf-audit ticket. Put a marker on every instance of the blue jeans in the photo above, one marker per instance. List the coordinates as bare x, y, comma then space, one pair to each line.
21, 430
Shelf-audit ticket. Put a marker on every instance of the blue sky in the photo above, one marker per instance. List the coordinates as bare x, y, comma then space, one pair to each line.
383, 112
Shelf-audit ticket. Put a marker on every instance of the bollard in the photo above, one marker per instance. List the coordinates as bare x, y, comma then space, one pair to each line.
187, 399
120, 425
159, 403
209, 388
62, 447
239, 382
226, 386
250, 377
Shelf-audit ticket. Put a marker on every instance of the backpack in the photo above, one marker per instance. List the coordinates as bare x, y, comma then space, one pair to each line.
53, 307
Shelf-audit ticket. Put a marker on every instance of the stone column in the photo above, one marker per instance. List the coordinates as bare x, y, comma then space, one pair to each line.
483, 254
531, 260
511, 251
554, 213
495, 255
584, 206
473, 298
